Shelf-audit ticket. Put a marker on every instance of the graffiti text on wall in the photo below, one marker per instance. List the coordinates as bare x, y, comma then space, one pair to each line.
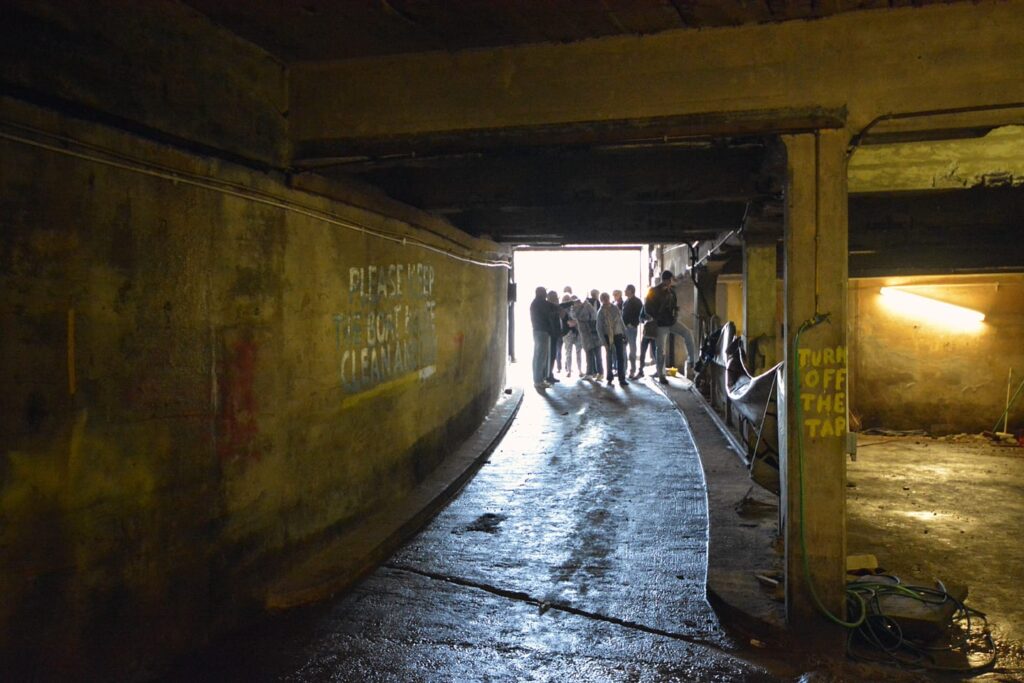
823, 391
387, 330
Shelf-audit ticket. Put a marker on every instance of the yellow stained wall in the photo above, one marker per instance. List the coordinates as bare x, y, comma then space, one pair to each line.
176, 410
915, 370
729, 297
911, 370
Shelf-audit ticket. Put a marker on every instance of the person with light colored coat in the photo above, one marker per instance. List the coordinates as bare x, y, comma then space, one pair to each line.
586, 317
613, 334
571, 338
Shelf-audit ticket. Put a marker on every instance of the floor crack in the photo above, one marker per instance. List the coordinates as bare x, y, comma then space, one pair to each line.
545, 605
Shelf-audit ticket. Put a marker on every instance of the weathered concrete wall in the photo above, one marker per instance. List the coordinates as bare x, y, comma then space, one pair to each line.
995, 159
911, 370
156, 65
202, 370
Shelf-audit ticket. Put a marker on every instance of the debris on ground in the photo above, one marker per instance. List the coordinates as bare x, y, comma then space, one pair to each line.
773, 581
980, 440
881, 431
1005, 438
864, 563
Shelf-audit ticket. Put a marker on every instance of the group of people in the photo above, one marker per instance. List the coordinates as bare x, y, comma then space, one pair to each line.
570, 325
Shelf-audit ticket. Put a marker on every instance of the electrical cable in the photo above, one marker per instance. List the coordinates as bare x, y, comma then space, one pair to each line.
858, 139
883, 632
118, 161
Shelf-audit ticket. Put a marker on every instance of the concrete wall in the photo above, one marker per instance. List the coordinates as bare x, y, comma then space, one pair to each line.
914, 370
202, 370
157, 66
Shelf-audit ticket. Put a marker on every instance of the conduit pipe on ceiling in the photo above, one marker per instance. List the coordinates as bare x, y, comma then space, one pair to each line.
858, 138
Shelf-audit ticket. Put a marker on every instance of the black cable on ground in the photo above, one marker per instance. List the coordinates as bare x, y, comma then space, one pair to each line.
879, 639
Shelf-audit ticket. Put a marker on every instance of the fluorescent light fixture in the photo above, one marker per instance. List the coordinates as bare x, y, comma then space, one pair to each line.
931, 310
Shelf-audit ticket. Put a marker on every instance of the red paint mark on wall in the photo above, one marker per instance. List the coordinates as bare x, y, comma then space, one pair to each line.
238, 429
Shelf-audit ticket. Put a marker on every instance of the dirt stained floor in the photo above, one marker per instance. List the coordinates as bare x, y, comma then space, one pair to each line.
948, 508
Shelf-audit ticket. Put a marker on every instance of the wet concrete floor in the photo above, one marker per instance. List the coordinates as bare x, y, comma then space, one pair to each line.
949, 508
578, 552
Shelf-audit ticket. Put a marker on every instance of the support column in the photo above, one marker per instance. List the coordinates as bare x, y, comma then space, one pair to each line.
759, 302
705, 296
816, 255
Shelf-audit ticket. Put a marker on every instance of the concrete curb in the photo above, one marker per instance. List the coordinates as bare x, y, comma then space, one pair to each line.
351, 555
738, 546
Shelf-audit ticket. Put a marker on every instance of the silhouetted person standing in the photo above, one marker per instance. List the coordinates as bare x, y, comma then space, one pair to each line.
662, 306
631, 308
540, 319
571, 338
586, 318
555, 313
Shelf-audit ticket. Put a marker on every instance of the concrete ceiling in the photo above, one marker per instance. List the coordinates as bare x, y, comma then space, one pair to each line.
995, 159
658, 192
320, 30
628, 184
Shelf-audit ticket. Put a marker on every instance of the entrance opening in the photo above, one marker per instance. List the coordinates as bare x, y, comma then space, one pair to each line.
583, 268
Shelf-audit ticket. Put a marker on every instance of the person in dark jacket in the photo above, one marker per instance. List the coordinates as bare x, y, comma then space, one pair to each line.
555, 314
662, 306
540, 319
650, 335
631, 308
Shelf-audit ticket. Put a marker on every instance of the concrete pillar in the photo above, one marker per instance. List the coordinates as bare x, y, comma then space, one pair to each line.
705, 300
815, 285
759, 303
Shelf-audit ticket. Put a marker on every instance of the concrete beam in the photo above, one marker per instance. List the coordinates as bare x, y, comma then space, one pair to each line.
313, 150
602, 222
560, 176
691, 82
813, 409
995, 159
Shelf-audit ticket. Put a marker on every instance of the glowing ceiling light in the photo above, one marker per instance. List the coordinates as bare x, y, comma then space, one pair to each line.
931, 310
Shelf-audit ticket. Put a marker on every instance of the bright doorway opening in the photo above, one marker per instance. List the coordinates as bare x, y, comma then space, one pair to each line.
604, 268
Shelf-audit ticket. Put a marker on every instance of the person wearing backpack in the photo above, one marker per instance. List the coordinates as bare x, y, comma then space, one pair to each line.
661, 305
